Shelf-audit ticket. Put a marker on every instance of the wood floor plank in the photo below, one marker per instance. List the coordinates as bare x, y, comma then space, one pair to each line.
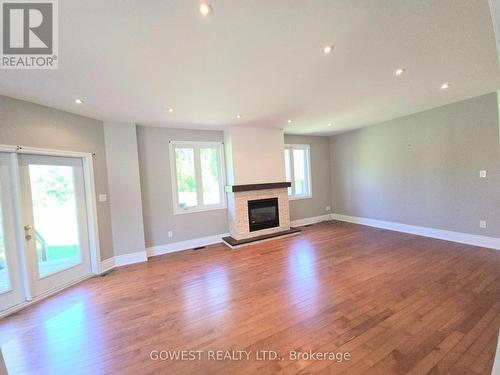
396, 303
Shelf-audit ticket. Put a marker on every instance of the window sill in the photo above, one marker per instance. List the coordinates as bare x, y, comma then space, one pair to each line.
180, 211
299, 197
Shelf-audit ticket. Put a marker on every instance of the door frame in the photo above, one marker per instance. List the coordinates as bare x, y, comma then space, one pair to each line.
90, 203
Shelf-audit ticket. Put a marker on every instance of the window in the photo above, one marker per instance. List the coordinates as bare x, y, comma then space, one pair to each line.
197, 176
298, 171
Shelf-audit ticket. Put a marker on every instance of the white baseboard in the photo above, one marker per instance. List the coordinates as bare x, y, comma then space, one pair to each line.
209, 240
123, 260
184, 245
137, 257
466, 238
496, 363
309, 220
107, 264
141, 256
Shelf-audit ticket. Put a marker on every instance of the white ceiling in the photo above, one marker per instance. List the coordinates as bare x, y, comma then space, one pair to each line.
132, 60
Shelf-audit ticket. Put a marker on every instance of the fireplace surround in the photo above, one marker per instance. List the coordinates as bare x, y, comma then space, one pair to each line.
271, 216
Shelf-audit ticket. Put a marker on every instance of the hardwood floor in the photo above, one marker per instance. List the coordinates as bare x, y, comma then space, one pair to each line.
396, 303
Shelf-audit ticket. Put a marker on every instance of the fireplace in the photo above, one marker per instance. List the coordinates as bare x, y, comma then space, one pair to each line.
257, 212
263, 214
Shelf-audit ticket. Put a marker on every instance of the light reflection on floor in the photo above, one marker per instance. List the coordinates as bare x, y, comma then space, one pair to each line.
211, 291
302, 272
68, 340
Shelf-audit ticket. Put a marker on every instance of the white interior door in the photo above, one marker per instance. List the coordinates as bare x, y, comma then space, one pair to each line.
55, 221
11, 287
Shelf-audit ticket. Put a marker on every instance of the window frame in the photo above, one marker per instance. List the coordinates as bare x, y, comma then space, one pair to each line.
196, 145
307, 149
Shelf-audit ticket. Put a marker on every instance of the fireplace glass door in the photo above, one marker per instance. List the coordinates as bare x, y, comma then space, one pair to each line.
263, 214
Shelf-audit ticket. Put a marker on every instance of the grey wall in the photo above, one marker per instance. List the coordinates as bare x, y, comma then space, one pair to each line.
423, 169
154, 165
28, 124
124, 188
320, 176
33, 125
495, 15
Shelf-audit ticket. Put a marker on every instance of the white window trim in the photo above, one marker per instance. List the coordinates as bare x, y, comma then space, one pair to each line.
307, 148
222, 179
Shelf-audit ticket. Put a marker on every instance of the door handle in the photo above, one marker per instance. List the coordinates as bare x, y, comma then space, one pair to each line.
27, 235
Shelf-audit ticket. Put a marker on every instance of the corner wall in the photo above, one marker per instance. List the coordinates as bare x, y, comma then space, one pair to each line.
423, 169
124, 188
156, 185
320, 178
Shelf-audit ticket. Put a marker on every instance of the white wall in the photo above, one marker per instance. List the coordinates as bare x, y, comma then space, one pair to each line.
124, 188
254, 155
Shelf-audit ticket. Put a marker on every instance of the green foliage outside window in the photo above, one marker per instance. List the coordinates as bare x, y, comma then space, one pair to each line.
55, 185
184, 159
209, 158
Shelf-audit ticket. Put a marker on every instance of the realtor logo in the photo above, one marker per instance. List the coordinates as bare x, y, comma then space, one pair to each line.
29, 34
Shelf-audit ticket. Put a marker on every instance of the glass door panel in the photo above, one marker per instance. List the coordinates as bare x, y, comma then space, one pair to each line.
11, 291
4, 268
55, 217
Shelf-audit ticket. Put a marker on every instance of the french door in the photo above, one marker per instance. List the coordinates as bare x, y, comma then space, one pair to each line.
55, 220
11, 283
52, 247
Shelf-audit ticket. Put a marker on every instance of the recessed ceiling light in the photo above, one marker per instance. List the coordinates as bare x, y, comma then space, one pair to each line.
289, 121
238, 116
78, 101
329, 124
205, 9
170, 110
400, 71
445, 85
327, 49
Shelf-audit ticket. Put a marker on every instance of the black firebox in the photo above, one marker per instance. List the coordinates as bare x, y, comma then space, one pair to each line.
263, 214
